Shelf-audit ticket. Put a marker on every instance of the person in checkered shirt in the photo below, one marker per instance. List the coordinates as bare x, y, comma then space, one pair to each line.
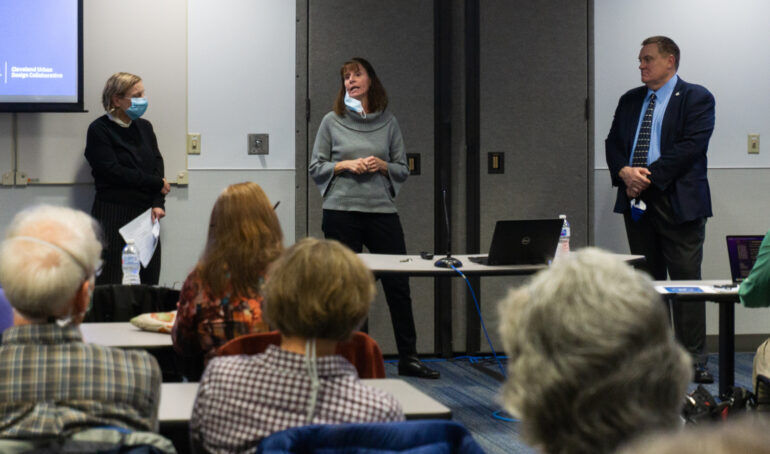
316, 294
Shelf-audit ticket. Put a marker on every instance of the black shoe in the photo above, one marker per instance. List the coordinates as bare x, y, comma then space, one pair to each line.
412, 367
702, 375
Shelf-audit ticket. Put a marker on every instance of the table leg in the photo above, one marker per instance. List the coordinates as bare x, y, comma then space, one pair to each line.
472, 320
726, 346
442, 317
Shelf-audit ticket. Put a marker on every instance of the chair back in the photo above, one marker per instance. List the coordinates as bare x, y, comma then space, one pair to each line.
121, 303
6, 312
423, 437
360, 350
95, 440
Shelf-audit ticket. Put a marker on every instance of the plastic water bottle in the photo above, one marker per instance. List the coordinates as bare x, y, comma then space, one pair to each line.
131, 264
563, 248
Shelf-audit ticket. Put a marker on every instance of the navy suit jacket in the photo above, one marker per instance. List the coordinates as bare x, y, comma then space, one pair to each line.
680, 172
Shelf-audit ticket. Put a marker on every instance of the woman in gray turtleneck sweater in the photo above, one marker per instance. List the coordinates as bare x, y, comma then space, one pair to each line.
359, 165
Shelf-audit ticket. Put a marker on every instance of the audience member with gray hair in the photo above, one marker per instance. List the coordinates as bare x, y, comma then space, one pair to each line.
736, 436
592, 359
53, 386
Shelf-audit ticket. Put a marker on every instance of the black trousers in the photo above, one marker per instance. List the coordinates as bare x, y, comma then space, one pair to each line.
673, 250
381, 233
112, 217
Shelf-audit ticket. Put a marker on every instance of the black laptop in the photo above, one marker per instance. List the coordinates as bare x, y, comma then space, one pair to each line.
527, 242
742, 251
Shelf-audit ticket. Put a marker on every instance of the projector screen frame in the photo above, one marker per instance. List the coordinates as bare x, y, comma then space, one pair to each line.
56, 106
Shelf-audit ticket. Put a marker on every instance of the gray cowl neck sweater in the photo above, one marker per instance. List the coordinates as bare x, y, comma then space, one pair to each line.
352, 137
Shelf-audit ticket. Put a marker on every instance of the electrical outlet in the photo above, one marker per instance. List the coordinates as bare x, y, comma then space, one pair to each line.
496, 162
258, 144
21, 179
193, 143
413, 162
182, 179
753, 146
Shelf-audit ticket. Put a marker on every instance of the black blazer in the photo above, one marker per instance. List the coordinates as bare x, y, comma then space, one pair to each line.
680, 172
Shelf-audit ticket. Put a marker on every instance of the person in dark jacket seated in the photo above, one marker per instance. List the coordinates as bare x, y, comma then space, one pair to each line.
316, 294
593, 360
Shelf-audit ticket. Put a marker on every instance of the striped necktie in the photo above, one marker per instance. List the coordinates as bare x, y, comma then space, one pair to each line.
643, 141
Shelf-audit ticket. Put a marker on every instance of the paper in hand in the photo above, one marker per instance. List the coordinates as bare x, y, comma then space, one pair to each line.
145, 235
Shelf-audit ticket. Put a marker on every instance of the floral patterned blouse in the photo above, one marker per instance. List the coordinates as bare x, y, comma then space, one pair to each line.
204, 323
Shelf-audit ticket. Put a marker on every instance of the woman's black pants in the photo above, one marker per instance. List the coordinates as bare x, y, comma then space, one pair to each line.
381, 233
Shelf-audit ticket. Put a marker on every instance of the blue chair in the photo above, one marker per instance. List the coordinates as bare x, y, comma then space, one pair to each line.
6, 312
414, 437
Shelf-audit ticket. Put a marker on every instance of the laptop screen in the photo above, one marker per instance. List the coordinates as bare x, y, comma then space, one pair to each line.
524, 242
742, 251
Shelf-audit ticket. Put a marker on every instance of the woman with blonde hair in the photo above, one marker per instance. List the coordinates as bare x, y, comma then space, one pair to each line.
128, 171
220, 299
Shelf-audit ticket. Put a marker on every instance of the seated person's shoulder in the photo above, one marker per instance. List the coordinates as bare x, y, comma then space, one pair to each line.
381, 405
126, 360
389, 408
221, 367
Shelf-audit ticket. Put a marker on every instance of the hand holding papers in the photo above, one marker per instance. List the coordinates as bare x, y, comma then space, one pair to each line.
145, 234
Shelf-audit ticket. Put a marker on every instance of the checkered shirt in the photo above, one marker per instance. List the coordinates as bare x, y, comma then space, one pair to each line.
52, 384
242, 399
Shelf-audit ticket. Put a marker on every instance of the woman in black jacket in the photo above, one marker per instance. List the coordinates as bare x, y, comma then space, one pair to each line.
128, 171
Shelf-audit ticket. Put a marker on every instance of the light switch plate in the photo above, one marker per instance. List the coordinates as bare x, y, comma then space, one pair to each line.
258, 144
753, 145
193, 143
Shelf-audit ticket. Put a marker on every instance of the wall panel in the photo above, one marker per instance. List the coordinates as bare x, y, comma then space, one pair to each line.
534, 85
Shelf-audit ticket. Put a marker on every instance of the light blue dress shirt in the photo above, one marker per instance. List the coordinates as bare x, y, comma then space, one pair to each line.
661, 102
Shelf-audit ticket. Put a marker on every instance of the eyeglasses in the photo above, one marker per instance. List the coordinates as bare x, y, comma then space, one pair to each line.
98, 268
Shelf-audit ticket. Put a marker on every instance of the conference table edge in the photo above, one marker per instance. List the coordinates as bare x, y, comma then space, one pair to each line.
188, 389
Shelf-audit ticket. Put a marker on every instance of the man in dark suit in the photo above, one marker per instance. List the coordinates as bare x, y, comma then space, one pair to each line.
656, 154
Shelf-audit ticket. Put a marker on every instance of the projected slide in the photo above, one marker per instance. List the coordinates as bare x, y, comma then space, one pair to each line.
39, 51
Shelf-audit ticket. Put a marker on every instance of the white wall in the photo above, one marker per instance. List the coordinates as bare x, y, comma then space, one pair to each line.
241, 79
723, 47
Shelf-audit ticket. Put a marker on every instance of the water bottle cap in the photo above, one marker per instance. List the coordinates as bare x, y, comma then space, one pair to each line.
562, 216
129, 241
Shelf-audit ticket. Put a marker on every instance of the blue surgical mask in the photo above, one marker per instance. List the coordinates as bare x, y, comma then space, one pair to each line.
354, 105
138, 106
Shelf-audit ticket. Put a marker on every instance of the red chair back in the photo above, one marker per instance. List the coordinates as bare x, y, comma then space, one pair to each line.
361, 350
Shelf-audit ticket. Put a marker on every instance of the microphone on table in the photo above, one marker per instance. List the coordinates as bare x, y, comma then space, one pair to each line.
448, 261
